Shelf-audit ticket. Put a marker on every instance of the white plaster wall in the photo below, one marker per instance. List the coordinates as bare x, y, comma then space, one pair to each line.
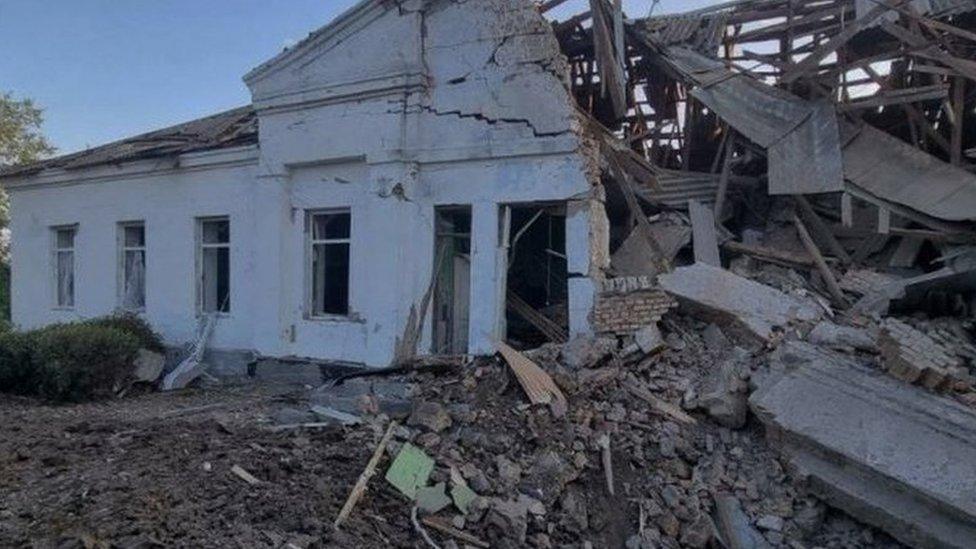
169, 206
347, 124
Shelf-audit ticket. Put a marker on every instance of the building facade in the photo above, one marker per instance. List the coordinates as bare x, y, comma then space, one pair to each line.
408, 149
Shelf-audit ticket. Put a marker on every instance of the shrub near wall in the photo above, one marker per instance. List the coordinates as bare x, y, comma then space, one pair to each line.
80, 362
74, 362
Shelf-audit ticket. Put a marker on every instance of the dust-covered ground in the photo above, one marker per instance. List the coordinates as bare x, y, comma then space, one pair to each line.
155, 471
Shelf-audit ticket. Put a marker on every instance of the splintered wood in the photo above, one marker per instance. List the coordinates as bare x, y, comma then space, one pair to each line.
360, 488
538, 385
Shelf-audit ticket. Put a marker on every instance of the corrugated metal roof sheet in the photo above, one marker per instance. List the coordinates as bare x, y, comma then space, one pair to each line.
893, 170
228, 129
802, 137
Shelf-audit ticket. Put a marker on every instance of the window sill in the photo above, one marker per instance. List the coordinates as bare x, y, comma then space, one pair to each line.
351, 318
63, 309
201, 314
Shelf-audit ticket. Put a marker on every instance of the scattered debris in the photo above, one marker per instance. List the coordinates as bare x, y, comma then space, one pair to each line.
244, 475
360, 487
872, 473
410, 470
537, 384
752, 308
192, 367
149, 366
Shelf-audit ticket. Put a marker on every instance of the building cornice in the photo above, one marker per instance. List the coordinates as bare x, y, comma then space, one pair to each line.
140, 169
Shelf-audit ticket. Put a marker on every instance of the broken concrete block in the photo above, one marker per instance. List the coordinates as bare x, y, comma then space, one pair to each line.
635, 257
753, 309
430, 415
584, 351
338, 416
410, 470
735, 527
889, 454
649, 339
831, 335
724, 396
366, 397
149, 366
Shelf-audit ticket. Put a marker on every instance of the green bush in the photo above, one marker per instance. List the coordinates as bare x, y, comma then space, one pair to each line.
133, 324
85, 360
82, 361
18, 371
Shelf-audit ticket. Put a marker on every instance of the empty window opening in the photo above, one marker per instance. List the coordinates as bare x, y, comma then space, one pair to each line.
64, 266
214, 265
537, 288
328, 262
132, 266
452, 289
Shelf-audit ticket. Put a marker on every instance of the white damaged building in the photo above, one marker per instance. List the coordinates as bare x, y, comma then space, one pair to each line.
411, 160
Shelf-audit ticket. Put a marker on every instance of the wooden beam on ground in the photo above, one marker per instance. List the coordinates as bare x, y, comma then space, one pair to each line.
829, 279
822, 231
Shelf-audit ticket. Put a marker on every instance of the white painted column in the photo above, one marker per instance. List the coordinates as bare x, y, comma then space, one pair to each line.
484, 277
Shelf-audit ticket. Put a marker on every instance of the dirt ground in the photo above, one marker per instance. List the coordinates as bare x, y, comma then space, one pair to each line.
155, 471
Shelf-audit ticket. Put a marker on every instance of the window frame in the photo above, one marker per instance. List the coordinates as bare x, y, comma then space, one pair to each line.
309, 243
56, 251
123, 248
200, 247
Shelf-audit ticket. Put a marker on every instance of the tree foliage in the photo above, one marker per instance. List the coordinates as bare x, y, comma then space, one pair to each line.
21, 140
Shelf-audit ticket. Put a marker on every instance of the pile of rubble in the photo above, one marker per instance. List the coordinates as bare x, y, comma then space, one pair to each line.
639, 441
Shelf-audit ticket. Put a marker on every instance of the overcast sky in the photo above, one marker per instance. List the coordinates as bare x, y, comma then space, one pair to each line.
108, 69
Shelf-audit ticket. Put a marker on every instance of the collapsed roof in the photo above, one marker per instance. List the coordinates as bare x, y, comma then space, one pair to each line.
871, 97
233, 128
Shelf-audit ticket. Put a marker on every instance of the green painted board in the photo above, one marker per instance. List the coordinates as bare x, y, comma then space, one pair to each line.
410, 470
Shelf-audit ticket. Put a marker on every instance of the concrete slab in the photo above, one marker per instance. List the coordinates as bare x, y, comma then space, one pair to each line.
750, 308
887, 453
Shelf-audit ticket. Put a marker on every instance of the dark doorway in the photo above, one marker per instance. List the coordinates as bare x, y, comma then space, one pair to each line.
452, 261
537, 292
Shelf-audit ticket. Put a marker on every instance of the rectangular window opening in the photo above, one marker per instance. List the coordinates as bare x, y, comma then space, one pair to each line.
328, 240
64, 266
132, 266
214, 264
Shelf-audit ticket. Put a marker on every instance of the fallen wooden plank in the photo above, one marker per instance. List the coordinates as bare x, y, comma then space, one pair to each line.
360, 487
661, 405
244, 475
828, 276
539, 387
821, 231
442, 527
771, 254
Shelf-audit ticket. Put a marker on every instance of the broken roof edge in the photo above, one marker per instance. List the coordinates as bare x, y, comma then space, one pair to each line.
242, 120
339, 23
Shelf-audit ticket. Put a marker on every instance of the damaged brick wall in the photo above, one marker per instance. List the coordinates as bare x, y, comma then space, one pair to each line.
626, 305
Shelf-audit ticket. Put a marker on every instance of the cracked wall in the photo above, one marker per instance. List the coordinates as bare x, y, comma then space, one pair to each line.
441, 102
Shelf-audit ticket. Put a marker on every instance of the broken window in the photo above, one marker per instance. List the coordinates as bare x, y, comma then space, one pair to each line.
132, 267
214, 265
328, 262
452, 262
64, 266
537, 287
